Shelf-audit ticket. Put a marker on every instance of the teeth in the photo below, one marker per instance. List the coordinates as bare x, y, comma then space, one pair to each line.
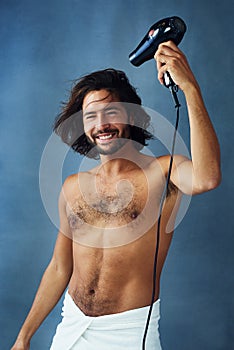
105, 137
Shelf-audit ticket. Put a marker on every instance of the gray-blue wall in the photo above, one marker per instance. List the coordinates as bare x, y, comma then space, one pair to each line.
44, 45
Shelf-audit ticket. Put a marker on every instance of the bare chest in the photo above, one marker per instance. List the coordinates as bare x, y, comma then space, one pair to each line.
112, 212
118, 204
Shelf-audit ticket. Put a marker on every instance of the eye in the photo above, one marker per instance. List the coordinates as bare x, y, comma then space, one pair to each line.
89, 116
111, 112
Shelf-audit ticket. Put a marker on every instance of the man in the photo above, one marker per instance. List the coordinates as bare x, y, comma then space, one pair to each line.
106, 243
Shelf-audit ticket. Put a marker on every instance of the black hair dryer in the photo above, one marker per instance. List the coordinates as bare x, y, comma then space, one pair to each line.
171, 28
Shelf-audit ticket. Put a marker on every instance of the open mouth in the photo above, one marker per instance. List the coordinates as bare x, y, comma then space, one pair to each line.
106, 137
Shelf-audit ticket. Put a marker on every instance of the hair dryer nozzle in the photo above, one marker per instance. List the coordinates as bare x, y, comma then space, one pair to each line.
171, 28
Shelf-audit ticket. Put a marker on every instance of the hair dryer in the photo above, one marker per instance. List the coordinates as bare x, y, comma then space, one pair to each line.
171, 28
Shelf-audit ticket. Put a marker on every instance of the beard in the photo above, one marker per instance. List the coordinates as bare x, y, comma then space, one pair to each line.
114, 145
112, 148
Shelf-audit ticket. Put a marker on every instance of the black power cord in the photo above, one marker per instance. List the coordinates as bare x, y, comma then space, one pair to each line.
173, 89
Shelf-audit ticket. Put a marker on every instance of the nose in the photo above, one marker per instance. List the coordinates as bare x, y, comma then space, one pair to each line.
102, 121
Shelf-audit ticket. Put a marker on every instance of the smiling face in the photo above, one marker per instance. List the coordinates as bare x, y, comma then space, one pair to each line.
106, 123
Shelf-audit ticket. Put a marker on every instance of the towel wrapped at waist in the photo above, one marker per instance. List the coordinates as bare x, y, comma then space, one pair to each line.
118, 331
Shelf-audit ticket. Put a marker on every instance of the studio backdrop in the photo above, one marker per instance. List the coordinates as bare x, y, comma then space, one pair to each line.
45, 45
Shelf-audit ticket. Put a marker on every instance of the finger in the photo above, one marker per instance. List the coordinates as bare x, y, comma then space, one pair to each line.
168, 51
164, 49
162, 59
171, 50
170, 57
168, 63
170, 44
161, 73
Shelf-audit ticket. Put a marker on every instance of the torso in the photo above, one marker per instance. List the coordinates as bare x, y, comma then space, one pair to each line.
114, 237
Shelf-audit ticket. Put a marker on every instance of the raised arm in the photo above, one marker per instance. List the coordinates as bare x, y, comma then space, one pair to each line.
201, 173
53, 283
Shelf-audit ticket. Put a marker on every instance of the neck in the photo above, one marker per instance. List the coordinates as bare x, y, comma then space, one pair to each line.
126, 159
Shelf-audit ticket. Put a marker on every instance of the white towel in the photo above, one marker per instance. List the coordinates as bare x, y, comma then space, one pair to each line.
119, 331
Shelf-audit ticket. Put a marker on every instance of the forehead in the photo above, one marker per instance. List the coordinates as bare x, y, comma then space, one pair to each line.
98, 97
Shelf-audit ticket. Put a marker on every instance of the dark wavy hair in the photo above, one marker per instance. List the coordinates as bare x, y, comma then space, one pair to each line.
69, 123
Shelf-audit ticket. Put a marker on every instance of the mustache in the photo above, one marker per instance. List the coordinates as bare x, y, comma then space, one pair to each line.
107, 130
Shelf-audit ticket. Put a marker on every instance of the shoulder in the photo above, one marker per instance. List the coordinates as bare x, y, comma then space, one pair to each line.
70, 183
164, 161
70, 180
73, 183
70, 187
73, 179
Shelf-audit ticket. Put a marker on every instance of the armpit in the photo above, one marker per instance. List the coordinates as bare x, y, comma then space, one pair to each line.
172, 189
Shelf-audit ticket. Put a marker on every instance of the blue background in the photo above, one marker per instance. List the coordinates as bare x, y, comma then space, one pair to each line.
44, 46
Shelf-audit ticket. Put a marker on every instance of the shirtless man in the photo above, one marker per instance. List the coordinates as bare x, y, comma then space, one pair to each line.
105, 247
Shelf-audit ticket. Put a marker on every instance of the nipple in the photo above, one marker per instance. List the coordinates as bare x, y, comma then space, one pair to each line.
134, 215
